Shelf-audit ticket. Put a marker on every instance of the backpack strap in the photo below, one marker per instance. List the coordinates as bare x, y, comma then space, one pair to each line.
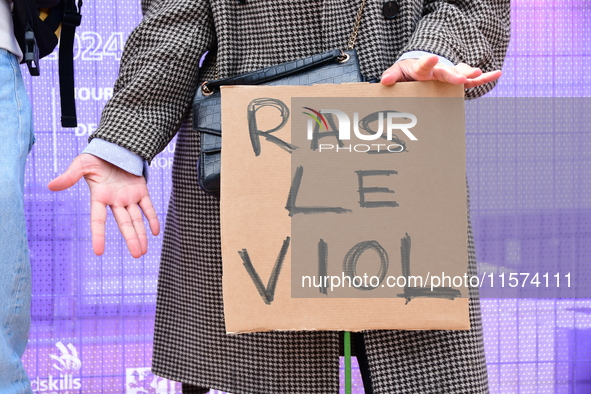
23, 18
71, 20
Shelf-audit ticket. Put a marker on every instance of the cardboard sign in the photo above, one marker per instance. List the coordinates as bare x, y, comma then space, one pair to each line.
343, 207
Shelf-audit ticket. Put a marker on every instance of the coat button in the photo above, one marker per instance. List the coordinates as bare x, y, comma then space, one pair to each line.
390, 9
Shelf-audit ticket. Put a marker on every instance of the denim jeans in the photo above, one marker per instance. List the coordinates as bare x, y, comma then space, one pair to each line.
16, 139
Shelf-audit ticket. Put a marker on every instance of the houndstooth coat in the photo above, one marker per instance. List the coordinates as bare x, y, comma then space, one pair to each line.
158, 77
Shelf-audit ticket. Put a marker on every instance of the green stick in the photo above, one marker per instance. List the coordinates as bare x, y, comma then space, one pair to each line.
347, 339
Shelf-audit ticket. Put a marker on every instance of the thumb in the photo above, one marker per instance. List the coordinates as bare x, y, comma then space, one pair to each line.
392, 75
69, 178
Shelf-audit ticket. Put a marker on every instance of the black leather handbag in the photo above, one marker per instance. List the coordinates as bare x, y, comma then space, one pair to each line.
329, 67
334, 66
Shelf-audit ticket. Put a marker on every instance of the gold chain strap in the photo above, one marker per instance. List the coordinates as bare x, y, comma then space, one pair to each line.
355, 31
343, 58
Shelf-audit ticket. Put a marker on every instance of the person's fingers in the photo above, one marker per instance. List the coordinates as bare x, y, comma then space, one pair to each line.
428, 68
150, 214
127, 230
483, 79
468, 71
448, 74
98, 218
138, 224
423, 67
410, 70
69, 178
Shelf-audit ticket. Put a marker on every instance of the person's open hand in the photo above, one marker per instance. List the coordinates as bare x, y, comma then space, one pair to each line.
427, 68
125, 193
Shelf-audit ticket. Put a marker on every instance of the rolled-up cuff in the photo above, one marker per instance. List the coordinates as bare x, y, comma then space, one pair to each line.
418, 54
118, 156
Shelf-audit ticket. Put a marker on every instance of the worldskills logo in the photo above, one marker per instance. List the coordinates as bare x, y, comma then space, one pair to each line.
387, 123
66, 365
143, 381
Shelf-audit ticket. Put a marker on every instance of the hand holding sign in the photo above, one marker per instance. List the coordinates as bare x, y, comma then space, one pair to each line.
322, 189
428, 68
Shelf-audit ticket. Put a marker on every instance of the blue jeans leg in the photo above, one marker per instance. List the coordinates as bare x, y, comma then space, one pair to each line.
16, 139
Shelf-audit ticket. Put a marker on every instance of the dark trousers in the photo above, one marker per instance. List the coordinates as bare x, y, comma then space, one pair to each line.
359, 349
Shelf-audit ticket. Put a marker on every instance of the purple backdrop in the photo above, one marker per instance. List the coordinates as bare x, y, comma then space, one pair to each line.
531, 206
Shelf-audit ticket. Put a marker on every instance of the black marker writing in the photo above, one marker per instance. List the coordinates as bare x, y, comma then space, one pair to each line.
352, 256
365, 190
364, 124
334, 132
322, 264
414, 292
293, 195
253, 128
267, 293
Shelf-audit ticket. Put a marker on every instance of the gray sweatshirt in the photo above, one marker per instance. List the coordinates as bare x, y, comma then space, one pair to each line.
7, 39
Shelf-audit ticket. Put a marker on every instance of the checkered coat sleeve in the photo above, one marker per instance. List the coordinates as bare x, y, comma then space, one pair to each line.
159, 68
470, 31
158, 75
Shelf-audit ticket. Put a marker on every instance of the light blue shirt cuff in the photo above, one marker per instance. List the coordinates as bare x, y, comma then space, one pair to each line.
418, 54
118, 156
